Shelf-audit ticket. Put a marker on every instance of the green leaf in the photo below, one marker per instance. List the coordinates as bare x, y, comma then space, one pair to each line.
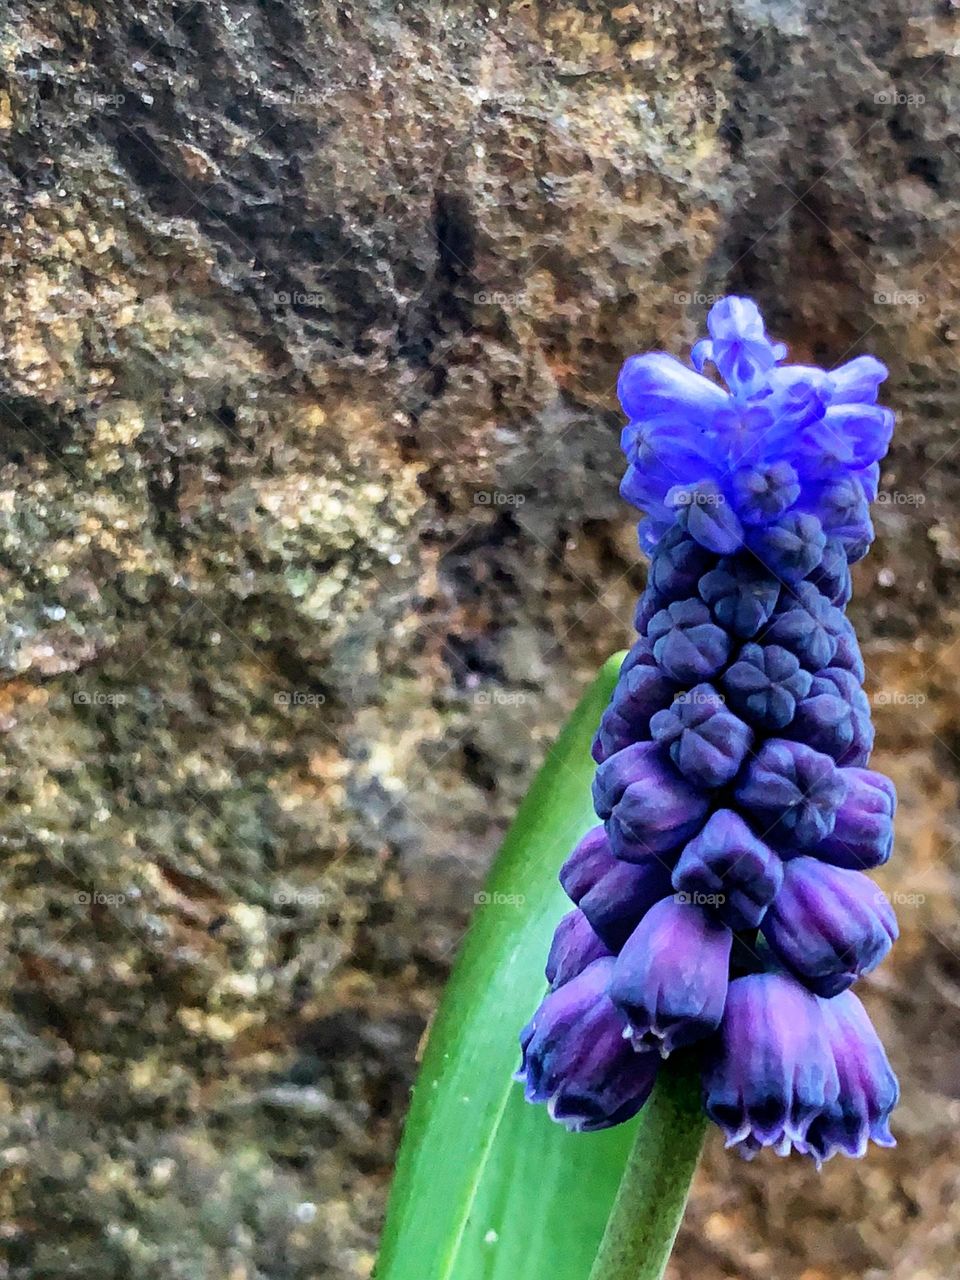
487, 1187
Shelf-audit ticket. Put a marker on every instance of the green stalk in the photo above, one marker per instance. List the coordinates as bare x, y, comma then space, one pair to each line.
656, 1182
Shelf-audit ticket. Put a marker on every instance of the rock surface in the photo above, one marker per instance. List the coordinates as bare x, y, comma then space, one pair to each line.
309, 537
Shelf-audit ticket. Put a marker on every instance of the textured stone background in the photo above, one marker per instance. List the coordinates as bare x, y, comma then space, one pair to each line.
285, 286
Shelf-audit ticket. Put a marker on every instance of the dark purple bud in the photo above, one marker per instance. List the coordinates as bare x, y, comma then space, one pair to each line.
791, 548
771, 1072
649, 604
845, 514
848, 655
576, 1060
742, 597
862, 836
762, 494
847, 686
640, 654
707, 743
588, 863
868, 1087
677, 566
793, 793
613, 895
824, 720
806, 626
670, 979
638, 694
763, 685
687, 644
574, 947
702, 511
728, 863
650, 809
832, 576
828, 925
640, 762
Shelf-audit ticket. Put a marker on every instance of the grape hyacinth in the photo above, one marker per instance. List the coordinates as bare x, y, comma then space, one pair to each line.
722, 902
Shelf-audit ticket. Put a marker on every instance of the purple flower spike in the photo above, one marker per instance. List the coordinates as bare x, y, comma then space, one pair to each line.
612, 894
868, 1087
707, 743
793, 792
862, 837
728, 865
764, 684
576, 1060
687, 644
722, 900
670, 979
828, 926
772, 1072
741, 596
574, 947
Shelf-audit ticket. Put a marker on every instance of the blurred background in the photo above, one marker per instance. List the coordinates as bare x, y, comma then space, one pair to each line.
310, 319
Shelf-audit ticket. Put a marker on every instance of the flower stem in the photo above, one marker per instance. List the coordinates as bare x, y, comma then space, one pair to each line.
653, 1192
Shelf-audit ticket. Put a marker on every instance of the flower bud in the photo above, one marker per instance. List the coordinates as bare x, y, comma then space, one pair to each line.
576, 1060
828, 925
670, 979
771, 1072
707, 743
793, 792
727, 862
